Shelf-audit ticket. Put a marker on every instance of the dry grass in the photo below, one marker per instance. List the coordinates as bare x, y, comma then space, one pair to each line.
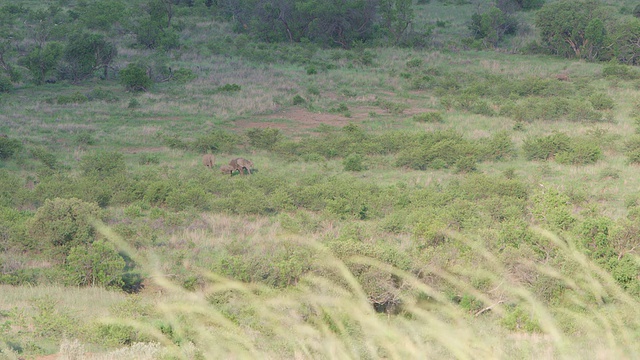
328, 315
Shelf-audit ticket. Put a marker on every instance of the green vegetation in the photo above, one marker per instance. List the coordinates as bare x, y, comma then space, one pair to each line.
448, 179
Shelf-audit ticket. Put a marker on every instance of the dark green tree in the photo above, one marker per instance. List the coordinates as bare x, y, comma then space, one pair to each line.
42, 60
397, 16
102, 15
626, 48
86, 53
573, 28
492, 26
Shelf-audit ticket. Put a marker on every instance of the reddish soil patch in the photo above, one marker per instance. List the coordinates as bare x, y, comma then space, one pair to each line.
47, 357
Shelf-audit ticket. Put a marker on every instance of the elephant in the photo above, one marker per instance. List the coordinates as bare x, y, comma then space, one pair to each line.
208, 160
227, 169
240, 164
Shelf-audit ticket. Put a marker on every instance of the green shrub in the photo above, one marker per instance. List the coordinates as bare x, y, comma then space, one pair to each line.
622, 71
61, 224
116, 335
229, 88
183, 76
99, 94
5, 84
544, 148
435, 150
190, 195
173, 141
47, 158
601, 101
298, 100
134, 78
632, 150
216, 141
149, 159
353, 162
95, 264
414, 63
429, 117
519, 319
75, 98
8, 147
498, 147
552, 208
581, 152
103, 165
264, 138
133, 104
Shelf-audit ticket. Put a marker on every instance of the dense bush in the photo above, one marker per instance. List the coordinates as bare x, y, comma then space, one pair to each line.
428, 117
264, 138
581, 152
216, 141
61, 224
545, 148
436, 150
103, 165
134, 77
497, 147
8, 147
353, 162
95, 264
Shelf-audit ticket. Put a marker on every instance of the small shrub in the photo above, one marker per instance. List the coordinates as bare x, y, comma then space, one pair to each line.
544, 148
602, 101
216, 141
47, 158
311, 70
8, 147
103, 165
133, 104
102, 95
134, 78
429, 117
617, 70
353, 162
229, 88
414, 63
264, 138
84, 138
581, 152
75, 98
183, 76
298, 100
498, 147
149, 159
5, 84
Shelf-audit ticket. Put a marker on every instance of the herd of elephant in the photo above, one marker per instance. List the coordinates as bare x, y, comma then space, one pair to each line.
239, 164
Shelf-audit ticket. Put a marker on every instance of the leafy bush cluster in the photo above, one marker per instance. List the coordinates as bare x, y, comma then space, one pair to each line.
562, 148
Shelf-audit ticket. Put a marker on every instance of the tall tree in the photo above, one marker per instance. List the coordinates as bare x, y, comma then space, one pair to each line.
86, 53
573, 28
397, 16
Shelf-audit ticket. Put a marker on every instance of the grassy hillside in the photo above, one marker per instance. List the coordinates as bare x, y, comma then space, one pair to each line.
405, 200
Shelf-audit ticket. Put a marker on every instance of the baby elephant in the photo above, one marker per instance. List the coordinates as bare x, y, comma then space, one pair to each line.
240, 164
208, 160
227, 169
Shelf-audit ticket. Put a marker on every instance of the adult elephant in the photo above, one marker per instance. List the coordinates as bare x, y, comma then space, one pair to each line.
240, 164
